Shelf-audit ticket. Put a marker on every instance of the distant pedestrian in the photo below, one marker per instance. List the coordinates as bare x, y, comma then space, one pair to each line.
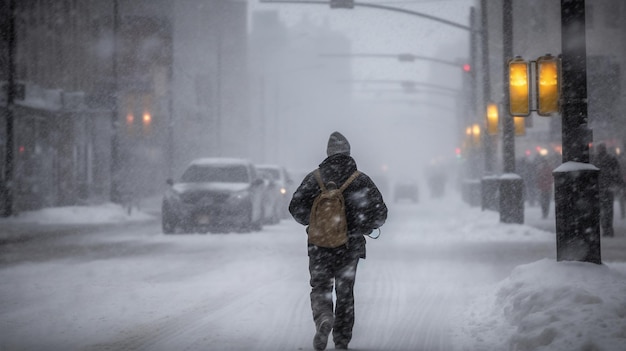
526, 169
621, 195
610, 181
365, 211
544, 185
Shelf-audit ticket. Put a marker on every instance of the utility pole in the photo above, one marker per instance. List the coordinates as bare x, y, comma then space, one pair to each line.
488, 139
7, 186
511, 184
115, 191
576, 180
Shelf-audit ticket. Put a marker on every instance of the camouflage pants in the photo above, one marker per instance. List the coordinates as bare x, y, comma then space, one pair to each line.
328, 268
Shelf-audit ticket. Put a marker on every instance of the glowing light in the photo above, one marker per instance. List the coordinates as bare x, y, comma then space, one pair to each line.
547, 85
492, 119
130, 118
476, 129
519, 90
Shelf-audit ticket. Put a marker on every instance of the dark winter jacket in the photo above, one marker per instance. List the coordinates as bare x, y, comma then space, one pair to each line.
610, 176
365, 208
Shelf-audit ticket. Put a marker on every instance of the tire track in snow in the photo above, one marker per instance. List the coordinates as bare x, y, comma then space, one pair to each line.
206, 326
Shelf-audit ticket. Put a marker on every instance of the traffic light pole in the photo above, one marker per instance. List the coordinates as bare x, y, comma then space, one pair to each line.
400, 57
511, 184
351, 4
489, 142
115, 190
576, 181
7, 185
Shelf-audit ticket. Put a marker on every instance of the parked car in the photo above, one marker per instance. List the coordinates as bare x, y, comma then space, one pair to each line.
271, 197
283, 183
214, 194
406, 190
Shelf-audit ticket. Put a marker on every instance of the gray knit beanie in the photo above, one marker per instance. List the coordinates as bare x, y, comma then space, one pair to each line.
338, 144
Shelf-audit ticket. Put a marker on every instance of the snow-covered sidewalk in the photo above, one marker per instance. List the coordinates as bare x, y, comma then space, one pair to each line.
436, 266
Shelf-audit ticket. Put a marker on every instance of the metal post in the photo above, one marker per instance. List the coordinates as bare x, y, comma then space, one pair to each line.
511, 184
7, 186
170, 109
508, 128
218, 82
488, 139
490, 182
576, 186
115, 192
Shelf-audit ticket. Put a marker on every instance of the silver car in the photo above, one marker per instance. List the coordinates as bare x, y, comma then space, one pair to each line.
283, 187
214, 194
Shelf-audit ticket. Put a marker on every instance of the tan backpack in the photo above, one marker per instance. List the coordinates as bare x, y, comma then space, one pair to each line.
328, 226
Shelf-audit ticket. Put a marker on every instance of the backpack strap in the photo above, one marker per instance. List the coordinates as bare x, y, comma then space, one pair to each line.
349, 180
318, 177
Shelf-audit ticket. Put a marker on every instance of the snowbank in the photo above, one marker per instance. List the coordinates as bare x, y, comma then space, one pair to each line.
548, 305
105, 213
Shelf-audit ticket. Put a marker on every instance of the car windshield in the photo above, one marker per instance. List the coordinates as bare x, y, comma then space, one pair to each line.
215, 173
270, 173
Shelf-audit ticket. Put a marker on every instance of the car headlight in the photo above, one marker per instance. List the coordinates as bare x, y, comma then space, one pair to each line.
283, 191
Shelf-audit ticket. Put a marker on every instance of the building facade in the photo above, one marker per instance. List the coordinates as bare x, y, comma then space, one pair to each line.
67, 62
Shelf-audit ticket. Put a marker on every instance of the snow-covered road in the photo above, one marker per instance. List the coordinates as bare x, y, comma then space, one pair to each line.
250, 291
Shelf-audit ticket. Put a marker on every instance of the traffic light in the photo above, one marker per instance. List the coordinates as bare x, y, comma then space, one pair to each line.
467, 67
519, 87
492, 119
547, 85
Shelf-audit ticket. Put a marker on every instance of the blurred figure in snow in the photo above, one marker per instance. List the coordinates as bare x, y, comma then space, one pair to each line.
621, 196
610, 181
544, 185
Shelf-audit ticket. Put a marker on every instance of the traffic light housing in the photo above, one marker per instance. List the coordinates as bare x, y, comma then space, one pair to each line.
519, 87
548, 87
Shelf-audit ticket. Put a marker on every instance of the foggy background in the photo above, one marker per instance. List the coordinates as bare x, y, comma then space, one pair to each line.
166, 82
390, 130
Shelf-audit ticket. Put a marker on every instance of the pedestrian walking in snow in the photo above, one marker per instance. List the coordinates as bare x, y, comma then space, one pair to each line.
544, 185
610, 181
333, 263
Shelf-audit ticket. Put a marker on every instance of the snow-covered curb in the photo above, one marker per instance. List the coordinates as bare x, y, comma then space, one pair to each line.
105, 213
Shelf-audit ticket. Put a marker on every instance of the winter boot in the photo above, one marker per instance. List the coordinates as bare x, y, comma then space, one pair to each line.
321, 336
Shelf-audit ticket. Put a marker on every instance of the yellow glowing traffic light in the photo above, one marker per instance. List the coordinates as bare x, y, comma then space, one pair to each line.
547, 85
492, 119
519, 87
